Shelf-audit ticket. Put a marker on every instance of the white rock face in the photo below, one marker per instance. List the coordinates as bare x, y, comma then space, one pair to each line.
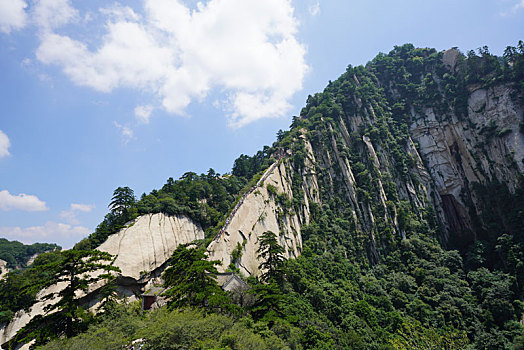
3, 268
142, 247
450, 58
150, 242
22, 318
259, 213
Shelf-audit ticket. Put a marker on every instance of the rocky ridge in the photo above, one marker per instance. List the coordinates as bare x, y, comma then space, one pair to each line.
259, 213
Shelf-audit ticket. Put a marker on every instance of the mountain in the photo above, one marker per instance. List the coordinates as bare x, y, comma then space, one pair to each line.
397, 197
18, 255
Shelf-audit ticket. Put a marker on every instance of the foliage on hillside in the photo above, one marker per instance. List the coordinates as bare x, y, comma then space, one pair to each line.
352, 288
205, 198
19, 288
17, 254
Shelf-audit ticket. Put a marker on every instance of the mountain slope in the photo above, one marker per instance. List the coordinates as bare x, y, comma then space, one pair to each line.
398, 197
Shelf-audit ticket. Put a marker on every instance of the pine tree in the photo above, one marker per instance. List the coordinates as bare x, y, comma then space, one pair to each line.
191, 281
271, 253
77, 270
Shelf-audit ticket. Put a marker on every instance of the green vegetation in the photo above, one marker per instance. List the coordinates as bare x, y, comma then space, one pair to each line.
178, 329
77, 269
18, 290
17, 254
191, 281
360, 283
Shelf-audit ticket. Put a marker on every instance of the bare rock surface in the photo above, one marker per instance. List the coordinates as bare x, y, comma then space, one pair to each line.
484, 146
146, 244
149, 242
259, 213
3, 268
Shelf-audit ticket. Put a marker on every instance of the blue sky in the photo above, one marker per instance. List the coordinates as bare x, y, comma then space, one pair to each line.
100, 94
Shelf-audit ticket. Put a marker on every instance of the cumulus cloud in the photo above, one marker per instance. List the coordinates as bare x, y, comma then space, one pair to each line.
12, 15
70, 215
64, 234
22, 201
143, 113
4, 144
50, 14
244, 48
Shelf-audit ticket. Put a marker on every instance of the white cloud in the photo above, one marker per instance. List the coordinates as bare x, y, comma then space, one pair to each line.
127, 132
70, 215
22, 201
12, 15
64, 234
245, 48
314, 9
143, 113
50, 14
86, 208
518, 6
4, 144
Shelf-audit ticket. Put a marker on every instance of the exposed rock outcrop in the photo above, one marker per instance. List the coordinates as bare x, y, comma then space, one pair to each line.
260, 212
142, 247
149, 242
485, 146
3, 268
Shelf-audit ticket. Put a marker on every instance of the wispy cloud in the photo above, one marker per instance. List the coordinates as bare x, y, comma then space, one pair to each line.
126, 132
245, 48
51, 14
4, 145
314, 9
25, 202
70, 215
12, 15
518, 6
143, 113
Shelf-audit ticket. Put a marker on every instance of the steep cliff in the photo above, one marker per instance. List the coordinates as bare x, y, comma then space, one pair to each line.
407, 141
482, 147
397, 196
3, 268
149, 241
266, 207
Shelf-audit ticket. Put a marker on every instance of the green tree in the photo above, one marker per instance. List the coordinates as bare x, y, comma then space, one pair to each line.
191, 281
271, 253
123, 201
414, 336
268, 297
268, 302
76, 270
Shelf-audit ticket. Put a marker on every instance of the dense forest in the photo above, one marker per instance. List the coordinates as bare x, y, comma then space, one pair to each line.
403, 282
17, 254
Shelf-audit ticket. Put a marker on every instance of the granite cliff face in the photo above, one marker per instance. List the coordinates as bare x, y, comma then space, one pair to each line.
485, 146
260, 212
409, 150
141, 251
148, 242
3, 268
